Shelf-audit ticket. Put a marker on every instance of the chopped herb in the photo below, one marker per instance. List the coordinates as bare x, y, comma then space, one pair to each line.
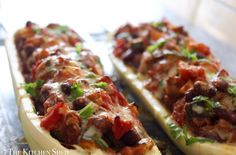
192, 140
227, 78
175, 131
32, 86
232, 90
189, 54
59, 30
102, 85
156, 24
178, 132
155, 46
209, 104
76, 91
102, 143
40, 83
62, 28
36, 30
91, 76
87, 111
79, 48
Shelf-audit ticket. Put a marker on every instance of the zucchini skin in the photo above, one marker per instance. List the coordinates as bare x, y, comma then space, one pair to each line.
38, 138
160, 114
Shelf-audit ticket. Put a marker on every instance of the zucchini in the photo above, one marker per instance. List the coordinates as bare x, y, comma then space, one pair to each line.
38, 138
162, 116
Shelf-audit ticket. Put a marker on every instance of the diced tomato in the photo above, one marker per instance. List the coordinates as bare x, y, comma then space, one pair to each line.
120, 127
106, 101
116, 96
201, 48
54, 116
106, 79
187, 71
120, 47
101, 98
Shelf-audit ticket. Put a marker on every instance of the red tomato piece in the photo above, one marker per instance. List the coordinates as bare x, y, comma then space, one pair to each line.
187, 71
54, 116
120, 127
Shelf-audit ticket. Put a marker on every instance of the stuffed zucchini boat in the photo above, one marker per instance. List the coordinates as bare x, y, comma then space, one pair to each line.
181, 83
67, 103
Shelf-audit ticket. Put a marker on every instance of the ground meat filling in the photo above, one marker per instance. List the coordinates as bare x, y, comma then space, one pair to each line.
183, 74
77, 103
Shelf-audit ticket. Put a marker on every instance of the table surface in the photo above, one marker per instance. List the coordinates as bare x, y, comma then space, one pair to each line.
11, 134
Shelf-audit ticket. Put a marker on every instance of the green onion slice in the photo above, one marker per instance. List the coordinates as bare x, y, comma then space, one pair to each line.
87, 111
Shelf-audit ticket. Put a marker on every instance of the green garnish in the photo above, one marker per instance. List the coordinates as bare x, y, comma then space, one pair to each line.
59, 29
79, 48
156, 24
32, 87
36, 30
62, 28
76, 91
232, 90
175, 131
209, 104
189, 54
192, 140
102, 85
91, 76
155, 46
227, 78
87, 111
178, 132
102, 143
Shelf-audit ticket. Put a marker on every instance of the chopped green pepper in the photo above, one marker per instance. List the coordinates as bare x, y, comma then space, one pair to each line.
87, 111
189, 54
102, 85
76, 91
79, 48
102, 143
32, 87
155, 46
232, 90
